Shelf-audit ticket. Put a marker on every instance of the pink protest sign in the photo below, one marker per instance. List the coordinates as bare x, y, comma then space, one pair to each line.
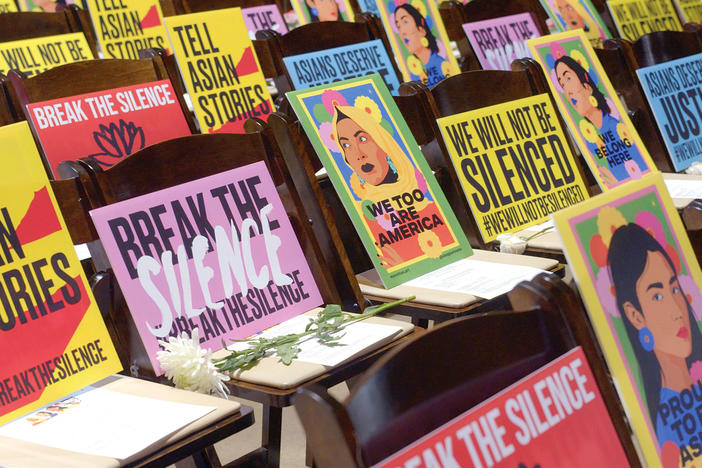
263, 17
217, 253
497, 42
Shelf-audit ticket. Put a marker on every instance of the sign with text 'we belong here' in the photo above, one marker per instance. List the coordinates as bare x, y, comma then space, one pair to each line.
380, 174
125, 27
498, 42
514, 164
52, 337
220, 69
220, 255
33, 56
555, 417
341, 63
674, 94
109, 125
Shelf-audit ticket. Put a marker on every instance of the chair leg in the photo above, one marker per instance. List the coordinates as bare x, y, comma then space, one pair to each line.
272, 429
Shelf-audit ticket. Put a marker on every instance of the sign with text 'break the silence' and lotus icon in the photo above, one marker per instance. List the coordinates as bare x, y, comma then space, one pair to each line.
109, 125
52, 337
220, 69
222, 256
381, 176
514, 164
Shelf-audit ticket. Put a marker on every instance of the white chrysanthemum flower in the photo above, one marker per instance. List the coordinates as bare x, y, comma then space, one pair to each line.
511, 243
695, 168
190, 367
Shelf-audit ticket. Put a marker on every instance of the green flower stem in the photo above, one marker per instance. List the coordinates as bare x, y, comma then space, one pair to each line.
325, 327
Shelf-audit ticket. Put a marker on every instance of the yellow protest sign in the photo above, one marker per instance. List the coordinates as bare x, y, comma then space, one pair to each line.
690, 11
514, 164
220, 69
52, 337
125, 27
33, 56
634, 18
7, 6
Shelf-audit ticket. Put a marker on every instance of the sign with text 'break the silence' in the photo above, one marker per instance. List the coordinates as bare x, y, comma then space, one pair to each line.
220, 69
554, 417
674, 94
33, 56
221, 256
498, 42
124, 28
341, 63
514, 164
263, 17
52, 337
107, 126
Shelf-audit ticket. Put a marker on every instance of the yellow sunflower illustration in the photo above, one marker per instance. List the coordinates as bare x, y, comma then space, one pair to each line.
430, 244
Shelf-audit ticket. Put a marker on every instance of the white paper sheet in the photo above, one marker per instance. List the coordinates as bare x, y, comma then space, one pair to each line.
476, 277
358, 336
104, 423
680, 188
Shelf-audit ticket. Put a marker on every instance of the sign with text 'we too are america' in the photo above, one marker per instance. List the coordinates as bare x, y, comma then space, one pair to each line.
217, 253
555, 417
106, 126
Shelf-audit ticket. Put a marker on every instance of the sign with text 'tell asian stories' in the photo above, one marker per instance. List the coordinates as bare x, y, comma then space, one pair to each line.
222, 256
52, 337
125, 27
220, 69
554, 417
106, 126
33, 56
514, 164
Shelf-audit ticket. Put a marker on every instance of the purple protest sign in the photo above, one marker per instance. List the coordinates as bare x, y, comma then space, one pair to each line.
497, 42
263, 17
217, 253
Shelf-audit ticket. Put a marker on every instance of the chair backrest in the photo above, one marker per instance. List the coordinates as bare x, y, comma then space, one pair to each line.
8, 114
662, 46
319, 36
692, 218
195, 6
455, 13
437, 376
90, 76
27, 25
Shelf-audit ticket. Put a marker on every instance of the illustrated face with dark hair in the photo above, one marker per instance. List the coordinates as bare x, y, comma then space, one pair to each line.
327, 10
361, 152
662, 308
411, 33
572, 18
577, 92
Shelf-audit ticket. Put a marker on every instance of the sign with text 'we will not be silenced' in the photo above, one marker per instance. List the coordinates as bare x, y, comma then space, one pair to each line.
341, 63
33, 56
634, 18
514, 164
124, 28
220, 254
220, 69
675, 96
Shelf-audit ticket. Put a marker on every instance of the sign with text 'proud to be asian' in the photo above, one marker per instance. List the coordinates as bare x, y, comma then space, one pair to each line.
33, 56
514, 164
220, 69
555, 417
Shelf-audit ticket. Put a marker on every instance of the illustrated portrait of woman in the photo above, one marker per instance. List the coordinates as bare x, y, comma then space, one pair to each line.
49, 6
607, 138
425, 64
659, 323
571, 14
380, 170
323, 10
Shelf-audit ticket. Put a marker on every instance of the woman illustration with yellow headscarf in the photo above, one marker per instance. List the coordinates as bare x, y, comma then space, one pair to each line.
394, 199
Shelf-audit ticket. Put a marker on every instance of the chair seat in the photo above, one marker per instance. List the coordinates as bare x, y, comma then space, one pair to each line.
270, 372
228, 414
681, 203
372, 288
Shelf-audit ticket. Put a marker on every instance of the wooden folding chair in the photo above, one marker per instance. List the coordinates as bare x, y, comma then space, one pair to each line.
171, 163
455, 13
90, 76
416, 388
692, 219
315, 37
27, 25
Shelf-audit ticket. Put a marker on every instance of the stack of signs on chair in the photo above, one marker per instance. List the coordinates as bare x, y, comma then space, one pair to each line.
641, 284
52, 337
